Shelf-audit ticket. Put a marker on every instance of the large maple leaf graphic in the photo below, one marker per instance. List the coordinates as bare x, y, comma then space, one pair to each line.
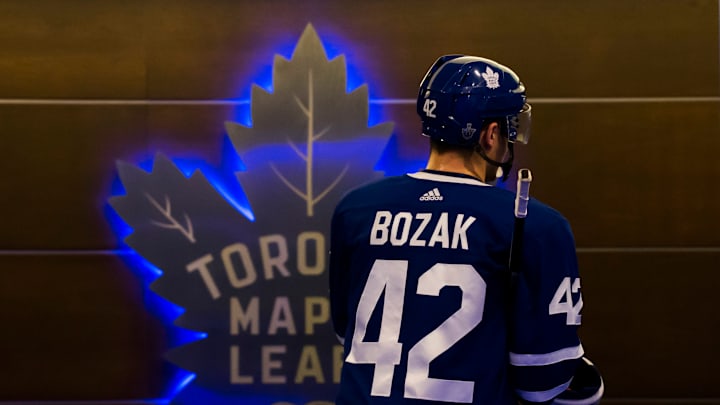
309, 132
257, 289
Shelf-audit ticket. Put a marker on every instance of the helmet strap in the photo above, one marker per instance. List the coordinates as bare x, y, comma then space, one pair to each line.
505, 166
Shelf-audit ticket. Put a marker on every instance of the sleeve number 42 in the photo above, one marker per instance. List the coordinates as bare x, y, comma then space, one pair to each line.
562, 302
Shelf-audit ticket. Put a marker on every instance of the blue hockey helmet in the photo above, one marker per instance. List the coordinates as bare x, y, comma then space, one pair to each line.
459, 93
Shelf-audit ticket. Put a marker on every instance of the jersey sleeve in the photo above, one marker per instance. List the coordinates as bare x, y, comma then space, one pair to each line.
544, 344
339, 270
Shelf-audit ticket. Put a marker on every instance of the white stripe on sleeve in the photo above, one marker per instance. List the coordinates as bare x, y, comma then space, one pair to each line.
545, 359
542, 396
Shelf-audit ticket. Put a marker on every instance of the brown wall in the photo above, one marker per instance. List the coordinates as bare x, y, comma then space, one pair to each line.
637, 178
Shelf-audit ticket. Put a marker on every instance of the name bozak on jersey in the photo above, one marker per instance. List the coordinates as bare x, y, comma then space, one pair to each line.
421, 293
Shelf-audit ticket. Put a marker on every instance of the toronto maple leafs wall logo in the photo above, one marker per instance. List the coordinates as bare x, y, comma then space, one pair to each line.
256, 288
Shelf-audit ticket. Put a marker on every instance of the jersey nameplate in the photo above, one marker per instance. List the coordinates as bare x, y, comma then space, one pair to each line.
423, 229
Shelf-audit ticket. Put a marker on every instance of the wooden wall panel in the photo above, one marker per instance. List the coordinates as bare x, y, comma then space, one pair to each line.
58, 165
197, 50
171, 49
193, 131
643, 183
650, 321
630, 174
74, 327
69, 49
567, 48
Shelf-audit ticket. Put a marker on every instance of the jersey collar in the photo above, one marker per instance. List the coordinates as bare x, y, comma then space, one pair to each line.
447, 177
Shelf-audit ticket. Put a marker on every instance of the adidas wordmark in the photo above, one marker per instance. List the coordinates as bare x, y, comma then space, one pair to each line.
432, 195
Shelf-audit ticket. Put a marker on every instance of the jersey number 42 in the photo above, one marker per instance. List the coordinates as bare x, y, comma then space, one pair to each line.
390, 276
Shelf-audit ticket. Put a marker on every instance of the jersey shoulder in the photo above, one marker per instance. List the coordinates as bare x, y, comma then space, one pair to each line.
542, 217
547, 230
369, 192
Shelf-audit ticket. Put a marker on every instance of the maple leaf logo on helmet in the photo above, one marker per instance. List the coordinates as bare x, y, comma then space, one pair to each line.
491, 78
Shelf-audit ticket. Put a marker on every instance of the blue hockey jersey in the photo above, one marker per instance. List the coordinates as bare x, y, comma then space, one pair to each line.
421, 295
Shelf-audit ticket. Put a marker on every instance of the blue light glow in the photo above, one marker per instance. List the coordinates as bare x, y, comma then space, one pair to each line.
222, 178
392, 165
182, 380
242, 114
335, 45
165, 311
195, 394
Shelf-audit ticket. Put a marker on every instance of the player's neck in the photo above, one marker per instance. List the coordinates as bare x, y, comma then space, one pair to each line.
457, 163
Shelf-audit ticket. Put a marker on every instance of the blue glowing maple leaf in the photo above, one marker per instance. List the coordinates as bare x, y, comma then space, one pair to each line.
309, 133
256, 288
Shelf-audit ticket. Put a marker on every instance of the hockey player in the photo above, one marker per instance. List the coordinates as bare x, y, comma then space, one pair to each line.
420, 288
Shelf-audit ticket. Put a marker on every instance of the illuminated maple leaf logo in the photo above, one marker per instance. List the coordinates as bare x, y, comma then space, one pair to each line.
297, 127
256, 288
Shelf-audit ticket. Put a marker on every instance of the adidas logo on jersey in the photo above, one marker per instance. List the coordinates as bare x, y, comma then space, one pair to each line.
432, 195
